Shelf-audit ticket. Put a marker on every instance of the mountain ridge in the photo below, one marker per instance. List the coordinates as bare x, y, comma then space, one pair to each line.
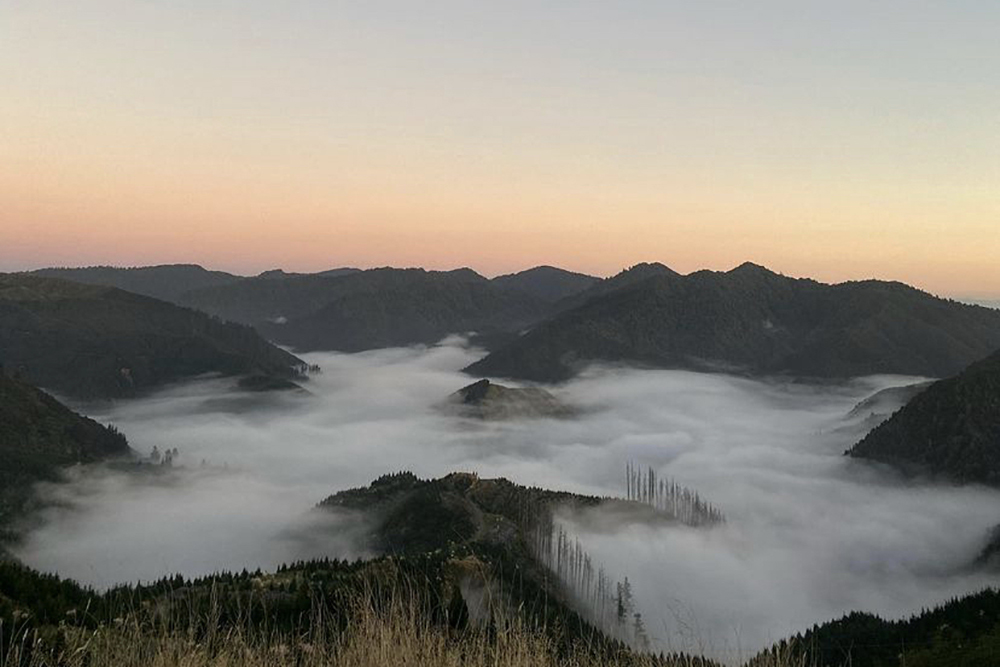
162, 281
951, 429
756, 321
97, 342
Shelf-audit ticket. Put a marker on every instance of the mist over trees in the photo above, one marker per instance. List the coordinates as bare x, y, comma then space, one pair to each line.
666, 495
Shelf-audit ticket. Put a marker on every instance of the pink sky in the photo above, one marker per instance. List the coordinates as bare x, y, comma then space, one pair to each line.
588, 138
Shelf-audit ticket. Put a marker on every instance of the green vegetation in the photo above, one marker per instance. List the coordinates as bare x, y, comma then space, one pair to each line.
96, 342
488, 400
167, 281
519, 531
951, 429
750, 319
408, 611
388, 612
547, 282
380, 307
374, 309
422, 310
962, 633
463, 582
38, 437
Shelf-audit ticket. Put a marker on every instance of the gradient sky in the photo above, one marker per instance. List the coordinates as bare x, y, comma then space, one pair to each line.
835, 140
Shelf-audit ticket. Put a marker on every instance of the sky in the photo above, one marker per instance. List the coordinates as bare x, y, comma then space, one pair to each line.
832, 140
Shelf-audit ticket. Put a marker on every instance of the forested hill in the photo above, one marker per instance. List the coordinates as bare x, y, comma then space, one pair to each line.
96, 342
372, 309
521, 531
951, 429
753, 320
467, 549
964, 632
547, 282
166, 281
626, 278
415, 515
39, 435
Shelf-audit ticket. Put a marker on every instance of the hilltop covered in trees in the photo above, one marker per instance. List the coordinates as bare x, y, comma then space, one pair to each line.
521, 526
751, 320
491, 401
95, 342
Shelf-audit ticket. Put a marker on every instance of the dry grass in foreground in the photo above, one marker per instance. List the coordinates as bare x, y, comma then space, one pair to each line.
396, 634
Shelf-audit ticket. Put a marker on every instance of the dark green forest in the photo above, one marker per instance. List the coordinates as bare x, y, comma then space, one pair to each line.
754, 321
950, 430
38, 437
94, 342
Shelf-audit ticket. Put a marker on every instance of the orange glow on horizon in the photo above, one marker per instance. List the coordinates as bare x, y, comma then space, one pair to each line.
249, 141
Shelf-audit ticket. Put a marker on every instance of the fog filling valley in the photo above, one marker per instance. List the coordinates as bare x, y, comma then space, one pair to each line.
810, 534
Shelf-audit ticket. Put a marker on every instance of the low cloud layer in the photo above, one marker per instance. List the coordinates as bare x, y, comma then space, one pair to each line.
810, 534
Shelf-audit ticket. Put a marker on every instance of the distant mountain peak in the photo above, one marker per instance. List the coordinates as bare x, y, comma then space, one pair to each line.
749, 268
544, 269
547, 282
466, 273
273, 273
643, 269
753, 320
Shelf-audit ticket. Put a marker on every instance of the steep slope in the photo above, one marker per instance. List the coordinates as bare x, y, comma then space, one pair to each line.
883, 403
752, 320
547, 282
100, 342
371, 309
878, 407
38, 435
421, 309
517, 528
469, 551
411, 515
268, 298
167, 281
624, 279
964, 632
951, 429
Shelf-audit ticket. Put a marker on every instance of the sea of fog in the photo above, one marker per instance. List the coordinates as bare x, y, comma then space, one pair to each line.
810, 534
